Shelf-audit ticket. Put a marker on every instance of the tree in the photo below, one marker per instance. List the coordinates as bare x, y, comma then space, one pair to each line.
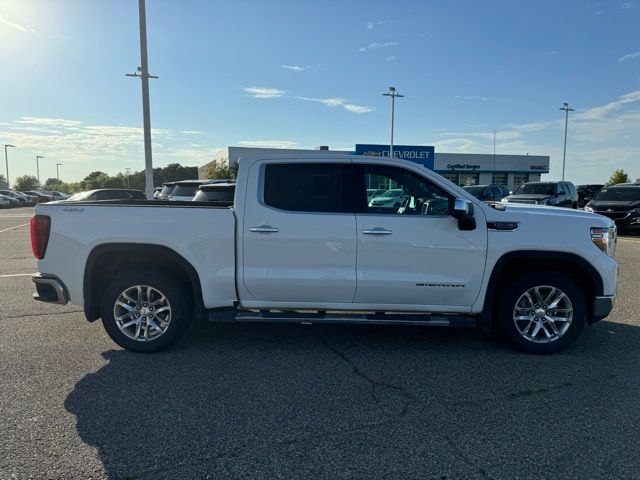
26, 182
219, 169
2, 178
52, 184
619, 176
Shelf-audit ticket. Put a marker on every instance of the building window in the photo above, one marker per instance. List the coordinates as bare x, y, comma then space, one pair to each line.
499, 179
452, 177
519, 179
468, 179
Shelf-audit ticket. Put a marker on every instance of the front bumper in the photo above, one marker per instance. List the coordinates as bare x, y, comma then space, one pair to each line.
50, 289
602, 306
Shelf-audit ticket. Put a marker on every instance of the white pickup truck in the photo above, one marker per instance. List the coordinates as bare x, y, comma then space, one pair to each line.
301, 243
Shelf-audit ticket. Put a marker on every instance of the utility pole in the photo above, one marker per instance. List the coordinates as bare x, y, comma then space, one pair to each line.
392, 93
143, 73
567, 109
6, 159
128, 172
58, 172
494, 151
38, 157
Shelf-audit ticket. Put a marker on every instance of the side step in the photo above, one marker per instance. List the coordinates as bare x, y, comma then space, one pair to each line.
378, 318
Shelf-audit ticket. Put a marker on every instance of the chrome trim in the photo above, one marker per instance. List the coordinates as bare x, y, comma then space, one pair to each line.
61, 292
377, 231
264, 229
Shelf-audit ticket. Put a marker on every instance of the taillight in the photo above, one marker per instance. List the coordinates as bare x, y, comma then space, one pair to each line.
40, 227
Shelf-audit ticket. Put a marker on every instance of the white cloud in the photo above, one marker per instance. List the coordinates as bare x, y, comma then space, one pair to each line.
372, 25
391, 58
629, 56
500, 135
263, 92
627, 5
472, 97
553, 52
297, 68
338, 102
268, 143
603, 111
57, 122
14, 25
376, 45
191, 132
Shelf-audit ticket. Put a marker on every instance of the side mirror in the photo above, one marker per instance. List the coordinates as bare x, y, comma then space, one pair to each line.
463, 211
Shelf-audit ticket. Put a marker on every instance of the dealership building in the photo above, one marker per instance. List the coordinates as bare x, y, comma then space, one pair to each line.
460, 168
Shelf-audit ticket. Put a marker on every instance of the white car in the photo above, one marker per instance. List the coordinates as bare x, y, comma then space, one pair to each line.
185, 190
393, 198
299, 243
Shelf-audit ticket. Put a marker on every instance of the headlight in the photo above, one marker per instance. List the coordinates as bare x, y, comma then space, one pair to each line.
605, 239
587, 208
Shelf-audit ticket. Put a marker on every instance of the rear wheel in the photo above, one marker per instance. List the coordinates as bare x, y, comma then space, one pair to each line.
542, 312
145, 311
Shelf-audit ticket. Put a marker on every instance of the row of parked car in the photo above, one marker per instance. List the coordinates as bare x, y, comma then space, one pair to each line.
14, 198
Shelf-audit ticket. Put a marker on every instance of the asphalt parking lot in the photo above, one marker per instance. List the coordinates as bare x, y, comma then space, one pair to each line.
291, 401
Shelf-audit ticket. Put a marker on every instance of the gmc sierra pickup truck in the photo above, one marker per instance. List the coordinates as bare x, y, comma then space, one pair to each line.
301, 242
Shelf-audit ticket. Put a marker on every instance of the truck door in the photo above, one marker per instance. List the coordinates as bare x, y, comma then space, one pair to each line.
416, 255
299, 233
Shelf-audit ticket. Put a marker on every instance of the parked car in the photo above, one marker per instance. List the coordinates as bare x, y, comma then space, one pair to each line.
10, 193
301, 245
32, 200
40, 196
156, 192
185, 190
586, 193
107, 194
393, 198
55, 195
167, 188
220, 194
621, 203
488, 193
557, 194
7, 202
374, 192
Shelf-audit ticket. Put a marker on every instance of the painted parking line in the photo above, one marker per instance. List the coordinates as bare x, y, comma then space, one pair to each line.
17, 275
13, 228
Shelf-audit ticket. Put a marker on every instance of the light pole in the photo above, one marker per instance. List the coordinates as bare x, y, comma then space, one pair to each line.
58, 172
38, 157
567, 109
392, 93
143, 73
6, 159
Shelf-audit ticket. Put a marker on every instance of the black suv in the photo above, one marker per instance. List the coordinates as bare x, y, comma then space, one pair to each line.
556, 194
488, 193
621, 203
586, 193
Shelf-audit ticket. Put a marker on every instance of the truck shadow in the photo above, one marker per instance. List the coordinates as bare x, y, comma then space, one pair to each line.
266, 401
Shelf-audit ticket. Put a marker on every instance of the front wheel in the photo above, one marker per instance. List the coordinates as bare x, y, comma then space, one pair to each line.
542, 312
145, 311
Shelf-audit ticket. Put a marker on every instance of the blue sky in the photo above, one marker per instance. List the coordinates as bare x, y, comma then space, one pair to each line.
302, 73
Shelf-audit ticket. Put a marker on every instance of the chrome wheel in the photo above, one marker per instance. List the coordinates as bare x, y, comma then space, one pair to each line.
543, 314
142, 313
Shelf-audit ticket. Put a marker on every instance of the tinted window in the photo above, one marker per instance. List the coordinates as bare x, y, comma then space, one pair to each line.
185, 190
476, 191
137, 195
223, 194
536, 189
618, 194
309, 187
412, 193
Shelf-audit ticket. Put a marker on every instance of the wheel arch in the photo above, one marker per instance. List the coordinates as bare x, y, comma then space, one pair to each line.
525, 261
107, 260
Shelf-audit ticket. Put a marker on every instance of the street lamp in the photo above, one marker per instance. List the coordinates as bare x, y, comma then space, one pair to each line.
38, 157
143, 73
567, 109
6, 158
392, 93
58, 172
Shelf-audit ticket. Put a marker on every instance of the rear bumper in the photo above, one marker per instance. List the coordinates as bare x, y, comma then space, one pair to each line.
602, 307
50, 289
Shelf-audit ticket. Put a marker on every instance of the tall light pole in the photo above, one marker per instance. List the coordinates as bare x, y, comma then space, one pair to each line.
143, 73
38, 157
567, 109
392, 93
58, 172
6, 158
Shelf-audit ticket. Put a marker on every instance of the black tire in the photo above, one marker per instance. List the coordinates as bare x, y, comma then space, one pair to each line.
181, 309
513, 293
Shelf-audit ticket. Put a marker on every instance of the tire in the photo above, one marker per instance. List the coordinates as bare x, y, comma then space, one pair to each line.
171, 317
515, 304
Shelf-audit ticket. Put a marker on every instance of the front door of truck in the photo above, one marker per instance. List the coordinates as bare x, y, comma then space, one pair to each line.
299, 234
416, 255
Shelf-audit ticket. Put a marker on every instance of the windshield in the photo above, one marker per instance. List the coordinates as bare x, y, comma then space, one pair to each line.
81, 195
215, 195
618, 194
475, 191
166, 190
392, 193
536, 189
185, 190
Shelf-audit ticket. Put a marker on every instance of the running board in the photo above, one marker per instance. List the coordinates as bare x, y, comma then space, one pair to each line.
350, 318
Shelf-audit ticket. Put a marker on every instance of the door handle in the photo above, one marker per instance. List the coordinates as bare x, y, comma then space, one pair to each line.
264, 229
377, 231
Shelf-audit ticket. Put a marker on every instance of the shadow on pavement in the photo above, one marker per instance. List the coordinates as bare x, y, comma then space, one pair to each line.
287, 401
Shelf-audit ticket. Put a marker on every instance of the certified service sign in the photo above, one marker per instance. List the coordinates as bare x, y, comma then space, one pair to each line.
415, 153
